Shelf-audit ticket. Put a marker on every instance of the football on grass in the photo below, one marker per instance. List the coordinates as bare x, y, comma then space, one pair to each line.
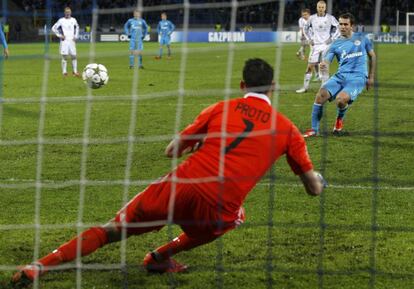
95, 75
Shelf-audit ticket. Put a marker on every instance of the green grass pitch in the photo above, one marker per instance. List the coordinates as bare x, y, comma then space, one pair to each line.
294, 242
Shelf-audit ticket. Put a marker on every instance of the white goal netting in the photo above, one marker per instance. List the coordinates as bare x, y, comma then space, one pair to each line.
113, 134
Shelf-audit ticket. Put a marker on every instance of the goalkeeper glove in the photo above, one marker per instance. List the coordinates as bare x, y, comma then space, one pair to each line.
322, 180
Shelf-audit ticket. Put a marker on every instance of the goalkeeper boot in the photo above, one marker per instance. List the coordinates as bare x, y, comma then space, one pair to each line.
26, 275
162, 266
310, 133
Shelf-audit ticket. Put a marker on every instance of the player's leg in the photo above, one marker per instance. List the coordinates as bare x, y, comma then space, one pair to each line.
327, 92
317, 112
161, 47
301, 52
324, 73
64, 51
312, 62
131, 53
168, 43
131, 58
352, 88
342, 106
317, 75
307, 77
139, 53
86, 243
150, 205
159, 56
201, 225
75, 66
72, 53
64, 65
160, 261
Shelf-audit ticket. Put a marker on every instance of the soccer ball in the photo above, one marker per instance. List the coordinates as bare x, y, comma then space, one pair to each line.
95, 75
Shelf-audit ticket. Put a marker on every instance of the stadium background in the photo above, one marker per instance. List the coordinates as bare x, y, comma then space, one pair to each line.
26, 19
359, 235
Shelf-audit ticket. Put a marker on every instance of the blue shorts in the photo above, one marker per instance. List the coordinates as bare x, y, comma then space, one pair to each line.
350, 84
165, 40
136, 45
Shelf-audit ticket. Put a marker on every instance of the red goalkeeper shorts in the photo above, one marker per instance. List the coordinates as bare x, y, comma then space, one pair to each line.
148, 211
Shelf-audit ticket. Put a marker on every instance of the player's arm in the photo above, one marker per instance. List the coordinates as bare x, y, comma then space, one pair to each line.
191, 138
55, 29
372, 67
301, 29
308, 32
159, 27
327, 60
372, 62
300, 163
334, 29
76, 30
4, 43
126, 28
144, 29
172, 28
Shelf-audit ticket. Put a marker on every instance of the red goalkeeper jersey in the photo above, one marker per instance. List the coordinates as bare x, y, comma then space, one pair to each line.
226, 168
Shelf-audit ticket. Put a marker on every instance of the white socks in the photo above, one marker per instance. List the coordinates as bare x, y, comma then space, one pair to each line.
75, 65
306, 80
324, 75
64, 66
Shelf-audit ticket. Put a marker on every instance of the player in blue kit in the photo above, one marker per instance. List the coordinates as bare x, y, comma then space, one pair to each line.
136, 28
4, 43
351, 51
165, 28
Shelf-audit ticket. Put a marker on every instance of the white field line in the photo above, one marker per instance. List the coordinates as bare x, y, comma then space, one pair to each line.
52, 184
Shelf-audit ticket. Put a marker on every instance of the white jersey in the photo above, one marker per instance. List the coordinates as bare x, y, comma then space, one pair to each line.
322, 29
302, 25
67, 27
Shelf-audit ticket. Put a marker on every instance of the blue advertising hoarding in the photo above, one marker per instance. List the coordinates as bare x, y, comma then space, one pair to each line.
223, 37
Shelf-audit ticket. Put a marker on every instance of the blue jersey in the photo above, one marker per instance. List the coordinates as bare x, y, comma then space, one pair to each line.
351, 54
136, 29
3, 38
165, 27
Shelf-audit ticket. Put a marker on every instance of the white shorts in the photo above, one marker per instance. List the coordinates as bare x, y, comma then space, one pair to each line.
317, 52
67, 47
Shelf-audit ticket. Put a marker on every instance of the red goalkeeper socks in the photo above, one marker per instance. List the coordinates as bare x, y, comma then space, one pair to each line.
90, 240
181, 243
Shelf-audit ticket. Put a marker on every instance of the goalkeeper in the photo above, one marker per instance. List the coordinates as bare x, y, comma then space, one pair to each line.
204, 197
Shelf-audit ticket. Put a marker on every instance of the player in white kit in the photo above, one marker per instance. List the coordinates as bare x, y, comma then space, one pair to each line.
321, 30
67, 29
303, 21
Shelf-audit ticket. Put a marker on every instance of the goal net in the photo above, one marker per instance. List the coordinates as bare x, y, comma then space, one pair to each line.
408, 36
72, 157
